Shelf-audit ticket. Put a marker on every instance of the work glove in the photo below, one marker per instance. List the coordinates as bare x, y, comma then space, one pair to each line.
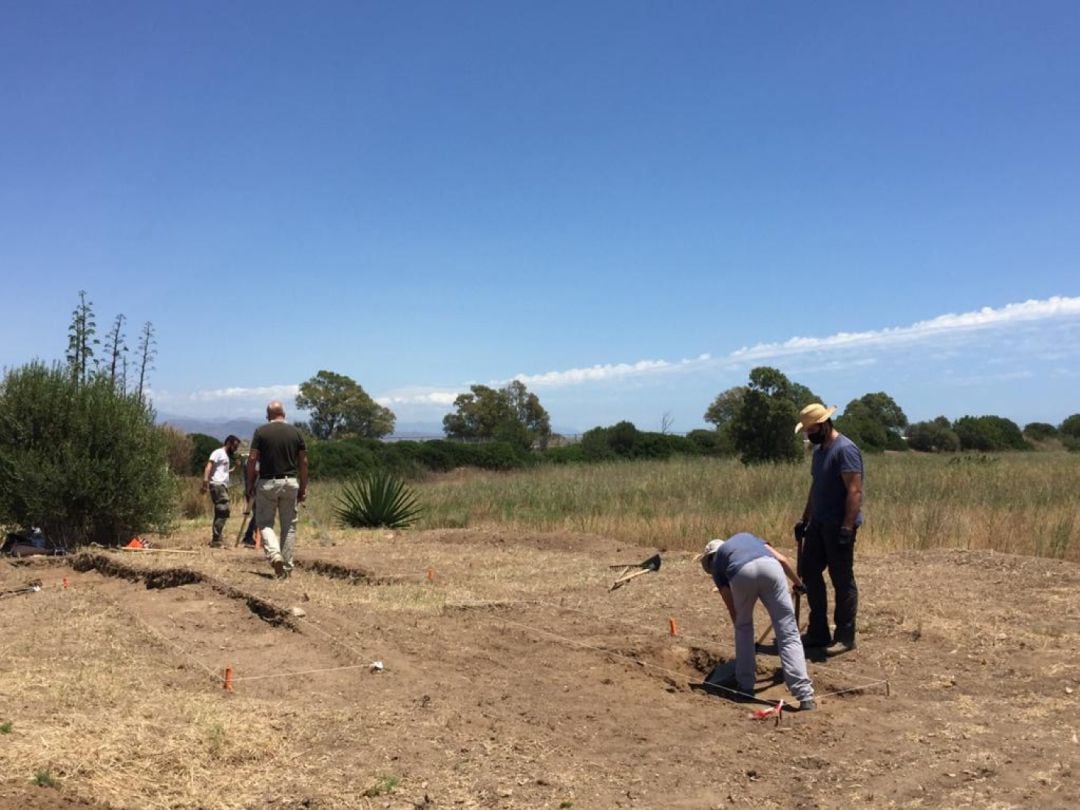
799, 589
846, 536
799, 531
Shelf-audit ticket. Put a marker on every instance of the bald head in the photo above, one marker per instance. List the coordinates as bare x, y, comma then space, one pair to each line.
274, 410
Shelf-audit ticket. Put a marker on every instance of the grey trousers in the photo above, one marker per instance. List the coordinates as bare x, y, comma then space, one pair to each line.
764, 579
277, 498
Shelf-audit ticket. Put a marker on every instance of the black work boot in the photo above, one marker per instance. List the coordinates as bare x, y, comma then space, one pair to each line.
813, 640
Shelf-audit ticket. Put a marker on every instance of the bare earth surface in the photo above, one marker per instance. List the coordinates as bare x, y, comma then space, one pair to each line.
513, 678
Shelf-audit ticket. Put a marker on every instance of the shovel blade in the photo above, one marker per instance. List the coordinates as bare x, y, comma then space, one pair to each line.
651, 564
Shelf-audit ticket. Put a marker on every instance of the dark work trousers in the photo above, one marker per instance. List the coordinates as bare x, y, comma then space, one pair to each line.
219, 494
823, 549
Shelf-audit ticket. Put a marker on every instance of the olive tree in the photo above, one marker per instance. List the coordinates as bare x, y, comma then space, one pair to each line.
510, 414
762, 425
339, 406
79, 458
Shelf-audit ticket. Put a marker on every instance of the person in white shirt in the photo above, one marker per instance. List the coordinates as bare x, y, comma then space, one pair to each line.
216, 481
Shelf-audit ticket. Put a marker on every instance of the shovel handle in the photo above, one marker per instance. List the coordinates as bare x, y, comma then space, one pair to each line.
624, 579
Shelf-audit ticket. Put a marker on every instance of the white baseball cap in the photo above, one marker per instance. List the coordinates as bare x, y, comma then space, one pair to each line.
707, 555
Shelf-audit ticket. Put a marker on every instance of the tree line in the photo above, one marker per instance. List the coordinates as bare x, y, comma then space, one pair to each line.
82, 458
753, 421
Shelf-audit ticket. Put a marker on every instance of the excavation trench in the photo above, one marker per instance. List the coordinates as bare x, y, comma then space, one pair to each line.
175, 577
354, 575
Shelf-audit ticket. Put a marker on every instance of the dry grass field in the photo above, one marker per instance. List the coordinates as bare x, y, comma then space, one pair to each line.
512, 677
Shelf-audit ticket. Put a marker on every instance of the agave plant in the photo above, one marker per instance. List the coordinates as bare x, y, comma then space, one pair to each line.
376, 499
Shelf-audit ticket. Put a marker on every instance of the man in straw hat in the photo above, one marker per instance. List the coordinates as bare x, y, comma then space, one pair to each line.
828, 527
745, 568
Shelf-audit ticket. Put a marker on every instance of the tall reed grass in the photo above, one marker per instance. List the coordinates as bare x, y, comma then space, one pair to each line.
1023, 503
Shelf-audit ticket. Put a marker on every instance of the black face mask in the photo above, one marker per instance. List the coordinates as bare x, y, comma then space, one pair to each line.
819, 437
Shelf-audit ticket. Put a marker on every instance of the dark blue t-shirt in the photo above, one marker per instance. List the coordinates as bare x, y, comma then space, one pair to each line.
733, 554
828, 495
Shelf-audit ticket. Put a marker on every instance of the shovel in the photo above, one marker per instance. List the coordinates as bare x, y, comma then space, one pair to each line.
651, 564
243, 521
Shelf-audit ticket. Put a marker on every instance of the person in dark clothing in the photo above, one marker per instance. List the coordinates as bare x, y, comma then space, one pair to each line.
830, 522
277, 477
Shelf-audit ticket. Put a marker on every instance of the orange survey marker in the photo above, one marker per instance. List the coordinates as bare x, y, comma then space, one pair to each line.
65, 582
431, 575
228, 679
673, 628
773, 711
135, 542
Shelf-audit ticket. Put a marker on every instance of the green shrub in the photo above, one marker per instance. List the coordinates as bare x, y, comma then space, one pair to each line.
343, 458
988, 433
1071, 426
567, 454
596, 446
712, 442
933, 436
376, 499
44, 778
438, 455
179, 450
1040, 431
202, 447
79, 459
497, 456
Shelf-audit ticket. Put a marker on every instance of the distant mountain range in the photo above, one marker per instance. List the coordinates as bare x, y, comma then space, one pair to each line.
220, 428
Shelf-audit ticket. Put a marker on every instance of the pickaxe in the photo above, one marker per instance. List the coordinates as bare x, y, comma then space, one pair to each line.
800, 535
651, 564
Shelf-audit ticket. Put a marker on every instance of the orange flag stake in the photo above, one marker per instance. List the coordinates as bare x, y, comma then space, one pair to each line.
65, 582
673, 628
431, 575
228, 679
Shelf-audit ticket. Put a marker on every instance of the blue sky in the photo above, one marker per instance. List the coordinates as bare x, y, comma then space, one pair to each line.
627, 205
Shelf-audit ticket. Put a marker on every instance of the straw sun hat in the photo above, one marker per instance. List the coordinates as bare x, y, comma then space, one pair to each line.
813, 415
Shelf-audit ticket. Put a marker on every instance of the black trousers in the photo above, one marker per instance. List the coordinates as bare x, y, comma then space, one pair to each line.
822, 548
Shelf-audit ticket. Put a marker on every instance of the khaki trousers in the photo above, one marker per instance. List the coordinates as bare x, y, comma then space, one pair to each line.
277, 496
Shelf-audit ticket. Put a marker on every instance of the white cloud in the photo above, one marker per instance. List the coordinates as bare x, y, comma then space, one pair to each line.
257, 392
417, 396
936, 329
610, 371
985, 318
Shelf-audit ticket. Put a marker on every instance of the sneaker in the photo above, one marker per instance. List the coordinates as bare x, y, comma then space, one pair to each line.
810, 642
216, 544
807, 705
847, 644
279, 567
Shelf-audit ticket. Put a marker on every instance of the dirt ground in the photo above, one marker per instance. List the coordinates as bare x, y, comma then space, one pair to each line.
511, 677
